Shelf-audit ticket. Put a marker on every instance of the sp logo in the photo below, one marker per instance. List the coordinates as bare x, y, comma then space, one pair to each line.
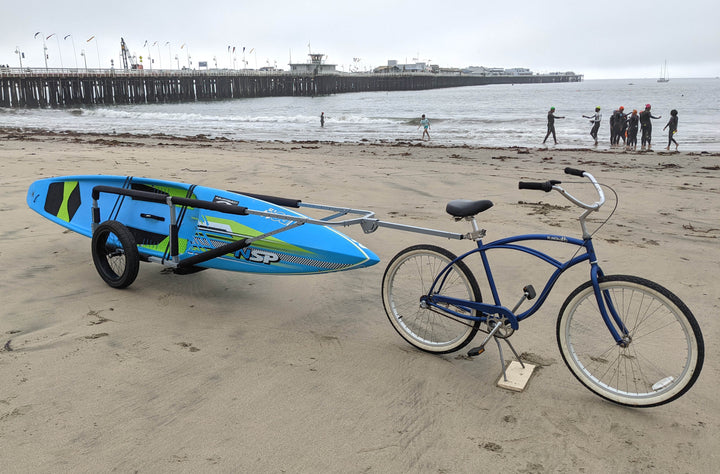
257, 255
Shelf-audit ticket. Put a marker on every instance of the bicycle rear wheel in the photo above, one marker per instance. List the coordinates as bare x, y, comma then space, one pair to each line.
665, 349
408, 277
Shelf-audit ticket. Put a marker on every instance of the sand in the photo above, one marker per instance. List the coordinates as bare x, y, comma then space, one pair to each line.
231, 372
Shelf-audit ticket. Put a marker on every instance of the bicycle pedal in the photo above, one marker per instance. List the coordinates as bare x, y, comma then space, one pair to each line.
476, 351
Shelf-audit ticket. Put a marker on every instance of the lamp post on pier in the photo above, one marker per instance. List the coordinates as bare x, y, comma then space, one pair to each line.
45, 57
20, 54
231, 54
73, 45
149, 57
159, 55
187, 51
96, 47
62, 66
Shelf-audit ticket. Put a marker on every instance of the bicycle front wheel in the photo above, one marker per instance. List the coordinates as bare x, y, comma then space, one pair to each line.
409, 277
664, 346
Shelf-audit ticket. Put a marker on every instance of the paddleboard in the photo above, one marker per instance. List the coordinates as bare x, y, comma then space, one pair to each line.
306, 249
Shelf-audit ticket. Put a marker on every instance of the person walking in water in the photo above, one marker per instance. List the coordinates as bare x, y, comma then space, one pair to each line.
672, 125
595, 120
646, 124
632, 130
425, 124
322, 119
551, 124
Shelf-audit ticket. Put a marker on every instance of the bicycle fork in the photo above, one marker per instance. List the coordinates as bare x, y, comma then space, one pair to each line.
606, 305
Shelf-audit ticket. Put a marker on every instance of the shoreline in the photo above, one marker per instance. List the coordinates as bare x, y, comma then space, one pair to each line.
18, 133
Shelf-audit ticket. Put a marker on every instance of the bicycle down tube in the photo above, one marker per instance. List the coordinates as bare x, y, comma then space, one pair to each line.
439, 301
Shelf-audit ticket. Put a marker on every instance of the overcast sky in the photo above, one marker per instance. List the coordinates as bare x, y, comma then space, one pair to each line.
600, 38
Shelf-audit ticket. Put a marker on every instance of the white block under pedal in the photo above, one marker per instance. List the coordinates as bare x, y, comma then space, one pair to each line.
517, 376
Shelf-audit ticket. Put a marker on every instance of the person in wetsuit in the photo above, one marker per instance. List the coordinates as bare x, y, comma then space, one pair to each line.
612, 128
551, 124
646, 124
632, 130
672, 125
595, 120
618, 125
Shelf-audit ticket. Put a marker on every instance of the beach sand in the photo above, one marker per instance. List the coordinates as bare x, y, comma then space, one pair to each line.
232, 372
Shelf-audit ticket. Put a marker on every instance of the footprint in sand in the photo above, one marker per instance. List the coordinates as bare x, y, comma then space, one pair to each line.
494, 447
188, 345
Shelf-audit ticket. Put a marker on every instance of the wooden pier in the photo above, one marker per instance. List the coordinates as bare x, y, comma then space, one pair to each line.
74, 87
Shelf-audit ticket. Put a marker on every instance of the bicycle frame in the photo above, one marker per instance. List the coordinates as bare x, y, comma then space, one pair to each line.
443, 303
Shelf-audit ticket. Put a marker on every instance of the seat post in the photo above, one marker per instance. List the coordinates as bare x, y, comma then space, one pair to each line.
477, 232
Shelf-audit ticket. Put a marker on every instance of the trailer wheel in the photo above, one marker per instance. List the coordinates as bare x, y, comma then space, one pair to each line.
115, 254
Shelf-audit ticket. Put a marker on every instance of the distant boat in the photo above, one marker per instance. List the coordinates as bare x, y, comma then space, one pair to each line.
664, 76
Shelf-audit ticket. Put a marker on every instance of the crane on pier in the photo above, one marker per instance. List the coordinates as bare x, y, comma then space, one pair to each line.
126, 58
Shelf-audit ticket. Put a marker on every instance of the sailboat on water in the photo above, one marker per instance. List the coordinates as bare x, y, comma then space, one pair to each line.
664, 76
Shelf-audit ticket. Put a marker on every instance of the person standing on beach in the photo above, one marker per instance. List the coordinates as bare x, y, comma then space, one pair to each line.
322, 119
595, 120
632, 131
551, 124
672, 124
618, 126
425, 124
646, 136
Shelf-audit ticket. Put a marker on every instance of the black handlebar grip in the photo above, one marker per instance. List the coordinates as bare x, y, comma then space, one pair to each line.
574, 172
546, 186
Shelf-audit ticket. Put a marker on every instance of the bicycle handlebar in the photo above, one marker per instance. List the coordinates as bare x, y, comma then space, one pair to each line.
546, 186
574, 172
550, 185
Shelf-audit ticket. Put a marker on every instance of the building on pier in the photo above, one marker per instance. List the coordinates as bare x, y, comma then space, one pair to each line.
317, 65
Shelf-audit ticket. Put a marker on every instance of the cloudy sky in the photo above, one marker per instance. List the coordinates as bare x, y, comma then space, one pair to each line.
601, 39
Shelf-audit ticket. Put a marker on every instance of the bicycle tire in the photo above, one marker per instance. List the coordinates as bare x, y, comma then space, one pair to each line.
407, 277
665, 353
115, 254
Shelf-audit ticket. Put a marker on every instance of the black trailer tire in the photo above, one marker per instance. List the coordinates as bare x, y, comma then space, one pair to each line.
115, 254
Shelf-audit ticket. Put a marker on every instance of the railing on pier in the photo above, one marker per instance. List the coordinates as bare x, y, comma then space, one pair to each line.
26, 87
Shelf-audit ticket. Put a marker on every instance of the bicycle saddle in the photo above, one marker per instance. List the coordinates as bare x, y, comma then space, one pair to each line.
466, 208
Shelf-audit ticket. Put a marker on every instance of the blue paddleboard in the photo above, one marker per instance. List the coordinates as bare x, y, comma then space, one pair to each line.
309, 248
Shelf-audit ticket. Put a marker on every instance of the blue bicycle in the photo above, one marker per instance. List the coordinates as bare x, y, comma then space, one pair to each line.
627, 339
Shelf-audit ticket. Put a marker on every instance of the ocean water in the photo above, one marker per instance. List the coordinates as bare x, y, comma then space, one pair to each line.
487, 116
